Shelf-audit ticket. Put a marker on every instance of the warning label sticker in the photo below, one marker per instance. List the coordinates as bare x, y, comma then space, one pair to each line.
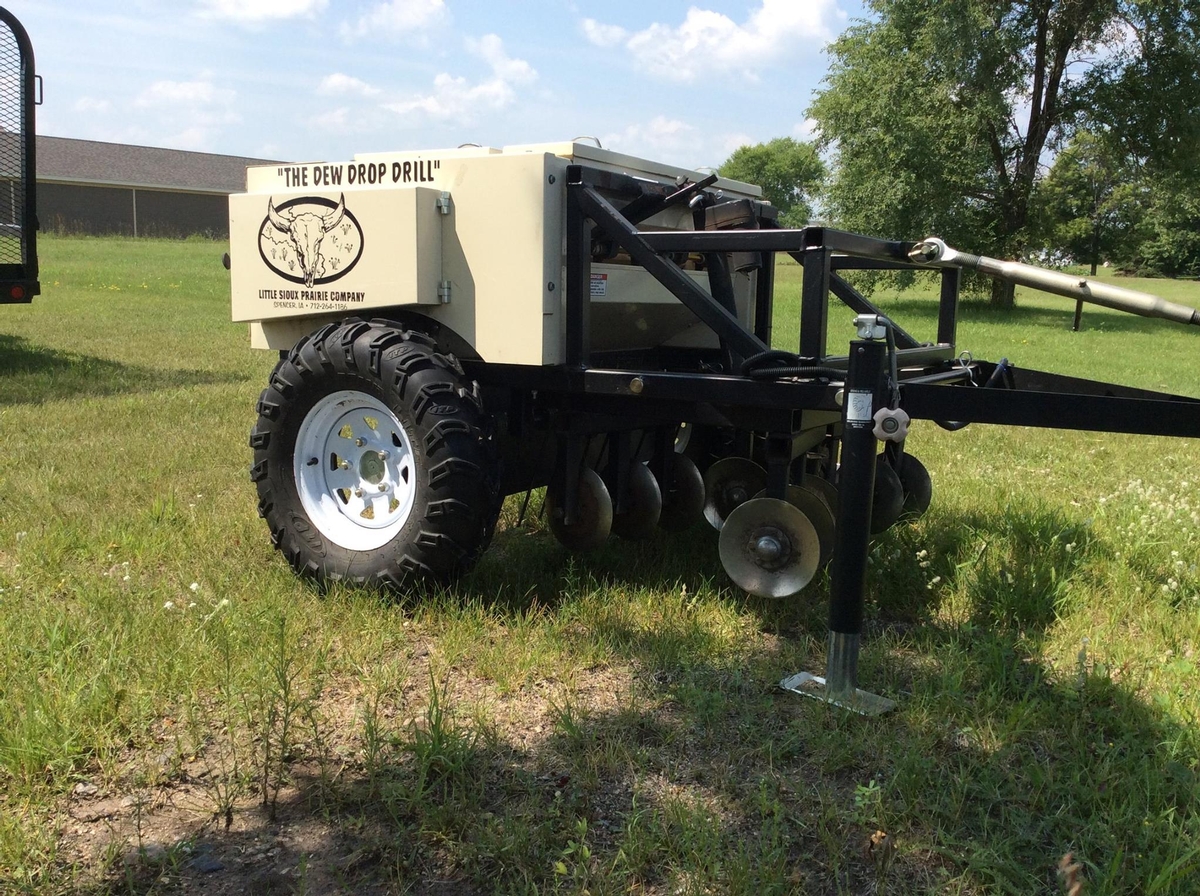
858, 407
599, 285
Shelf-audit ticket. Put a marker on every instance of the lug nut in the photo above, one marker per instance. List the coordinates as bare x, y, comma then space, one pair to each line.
360, 442
344, 465
383, 487
358, 493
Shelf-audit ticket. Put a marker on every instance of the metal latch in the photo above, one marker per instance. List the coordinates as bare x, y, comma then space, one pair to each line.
444, 292
869, 327
443, 203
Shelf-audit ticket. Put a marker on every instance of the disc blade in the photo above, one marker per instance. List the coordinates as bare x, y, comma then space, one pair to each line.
642, 506
769, 547
727, 483
917, 485
887, 503
812, 506
593, 519
683, 501
824, 488
683, 437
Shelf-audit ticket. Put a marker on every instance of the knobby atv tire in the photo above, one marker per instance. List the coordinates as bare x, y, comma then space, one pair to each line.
456, 500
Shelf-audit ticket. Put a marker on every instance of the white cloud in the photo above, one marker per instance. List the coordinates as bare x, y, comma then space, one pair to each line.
184, 93
91, 105
335, 119
730, 142
198, 111
195, 138
709, 42
253, 11
339, 84
355, 119
397, 17
604, 35
656, 138
490, 49
458, 99
675, 142
805, 130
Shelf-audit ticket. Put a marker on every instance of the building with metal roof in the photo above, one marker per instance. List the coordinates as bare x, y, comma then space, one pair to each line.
86, 186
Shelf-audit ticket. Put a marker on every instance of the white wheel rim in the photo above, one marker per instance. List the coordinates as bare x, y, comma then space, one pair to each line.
355, 470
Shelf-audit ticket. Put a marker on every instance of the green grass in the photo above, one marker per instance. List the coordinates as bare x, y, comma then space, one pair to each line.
604, 725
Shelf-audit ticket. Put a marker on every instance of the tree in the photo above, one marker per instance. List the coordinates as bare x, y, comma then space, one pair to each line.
789, 172
1172, 247
940, 112
1093, 203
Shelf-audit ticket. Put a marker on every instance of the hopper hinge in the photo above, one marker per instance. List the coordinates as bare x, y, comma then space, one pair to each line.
444, 291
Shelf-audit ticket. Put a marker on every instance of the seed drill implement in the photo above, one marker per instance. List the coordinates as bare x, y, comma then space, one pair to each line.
461, 325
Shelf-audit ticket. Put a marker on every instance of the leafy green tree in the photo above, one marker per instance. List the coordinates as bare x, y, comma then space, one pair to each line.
789, 172
1172, 247
1093, 203
940, 112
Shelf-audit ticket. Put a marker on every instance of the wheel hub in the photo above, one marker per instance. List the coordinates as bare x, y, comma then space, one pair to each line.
769, 546
372, 467
355, 470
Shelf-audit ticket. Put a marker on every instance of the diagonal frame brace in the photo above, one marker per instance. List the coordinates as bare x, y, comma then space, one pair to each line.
700, 303
860, 304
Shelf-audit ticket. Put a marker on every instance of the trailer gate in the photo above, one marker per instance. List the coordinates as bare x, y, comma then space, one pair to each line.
18, 171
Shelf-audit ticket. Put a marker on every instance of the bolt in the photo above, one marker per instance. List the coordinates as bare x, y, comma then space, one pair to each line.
360, 442
890, 424
344, 465
636, 385
384, 455
738, 494
383, 487
358, 493
767, 548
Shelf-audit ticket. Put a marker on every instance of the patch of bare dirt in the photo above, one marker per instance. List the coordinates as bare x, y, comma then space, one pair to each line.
195, 827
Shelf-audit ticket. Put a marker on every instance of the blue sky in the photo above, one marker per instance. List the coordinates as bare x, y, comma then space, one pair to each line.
323, 79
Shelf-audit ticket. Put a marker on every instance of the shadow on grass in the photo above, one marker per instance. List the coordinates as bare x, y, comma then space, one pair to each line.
705, 778
1003, 764
33, 374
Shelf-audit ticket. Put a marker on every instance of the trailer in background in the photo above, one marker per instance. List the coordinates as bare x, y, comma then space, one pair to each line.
20, 89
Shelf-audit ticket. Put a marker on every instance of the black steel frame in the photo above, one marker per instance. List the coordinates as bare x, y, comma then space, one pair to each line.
934, 383
19, 282
592, 397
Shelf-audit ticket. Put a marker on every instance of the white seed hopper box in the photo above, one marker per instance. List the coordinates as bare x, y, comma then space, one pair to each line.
473, 238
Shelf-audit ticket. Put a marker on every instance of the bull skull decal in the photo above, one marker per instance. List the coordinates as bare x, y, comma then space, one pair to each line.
306, 231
